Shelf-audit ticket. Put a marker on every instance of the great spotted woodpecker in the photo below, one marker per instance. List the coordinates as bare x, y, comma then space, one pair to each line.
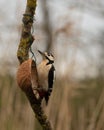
46, 75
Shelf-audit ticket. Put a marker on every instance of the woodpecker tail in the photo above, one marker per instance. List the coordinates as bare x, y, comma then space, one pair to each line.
46, 98
47, 95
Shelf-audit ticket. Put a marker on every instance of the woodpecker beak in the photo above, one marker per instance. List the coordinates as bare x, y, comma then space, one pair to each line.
41, 53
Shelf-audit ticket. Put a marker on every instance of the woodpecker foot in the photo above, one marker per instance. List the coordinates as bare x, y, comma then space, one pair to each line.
38, 89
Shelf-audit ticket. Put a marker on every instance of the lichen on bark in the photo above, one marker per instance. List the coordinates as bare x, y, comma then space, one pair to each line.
26, 41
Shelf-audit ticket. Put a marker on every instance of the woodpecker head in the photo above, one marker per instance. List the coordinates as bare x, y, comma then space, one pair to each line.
47, 56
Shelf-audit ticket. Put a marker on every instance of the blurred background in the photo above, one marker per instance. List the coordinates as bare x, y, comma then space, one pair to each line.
73, 30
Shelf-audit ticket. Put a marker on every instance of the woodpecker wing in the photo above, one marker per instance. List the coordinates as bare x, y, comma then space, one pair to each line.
51, 77
50, 83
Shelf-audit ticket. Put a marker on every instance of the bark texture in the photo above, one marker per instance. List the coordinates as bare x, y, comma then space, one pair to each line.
23, 56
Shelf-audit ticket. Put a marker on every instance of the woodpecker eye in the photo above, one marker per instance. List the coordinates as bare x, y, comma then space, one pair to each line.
49, 55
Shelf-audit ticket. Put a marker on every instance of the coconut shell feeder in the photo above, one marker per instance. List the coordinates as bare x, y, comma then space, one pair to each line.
27, 76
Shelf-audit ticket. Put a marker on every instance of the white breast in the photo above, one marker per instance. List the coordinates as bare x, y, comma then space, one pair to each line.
43, 71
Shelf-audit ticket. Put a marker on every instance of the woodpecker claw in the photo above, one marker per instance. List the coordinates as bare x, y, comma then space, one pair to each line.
38, 89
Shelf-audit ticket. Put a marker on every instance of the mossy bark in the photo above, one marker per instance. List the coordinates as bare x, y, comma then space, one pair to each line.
23, 55
26, 36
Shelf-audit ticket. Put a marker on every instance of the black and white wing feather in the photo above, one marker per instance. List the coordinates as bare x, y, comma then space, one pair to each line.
50, 83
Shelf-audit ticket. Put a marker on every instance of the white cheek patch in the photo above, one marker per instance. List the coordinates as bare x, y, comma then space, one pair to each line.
51, 58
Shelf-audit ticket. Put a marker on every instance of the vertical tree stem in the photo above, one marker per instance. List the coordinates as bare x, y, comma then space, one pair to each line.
23, 54
26, 36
